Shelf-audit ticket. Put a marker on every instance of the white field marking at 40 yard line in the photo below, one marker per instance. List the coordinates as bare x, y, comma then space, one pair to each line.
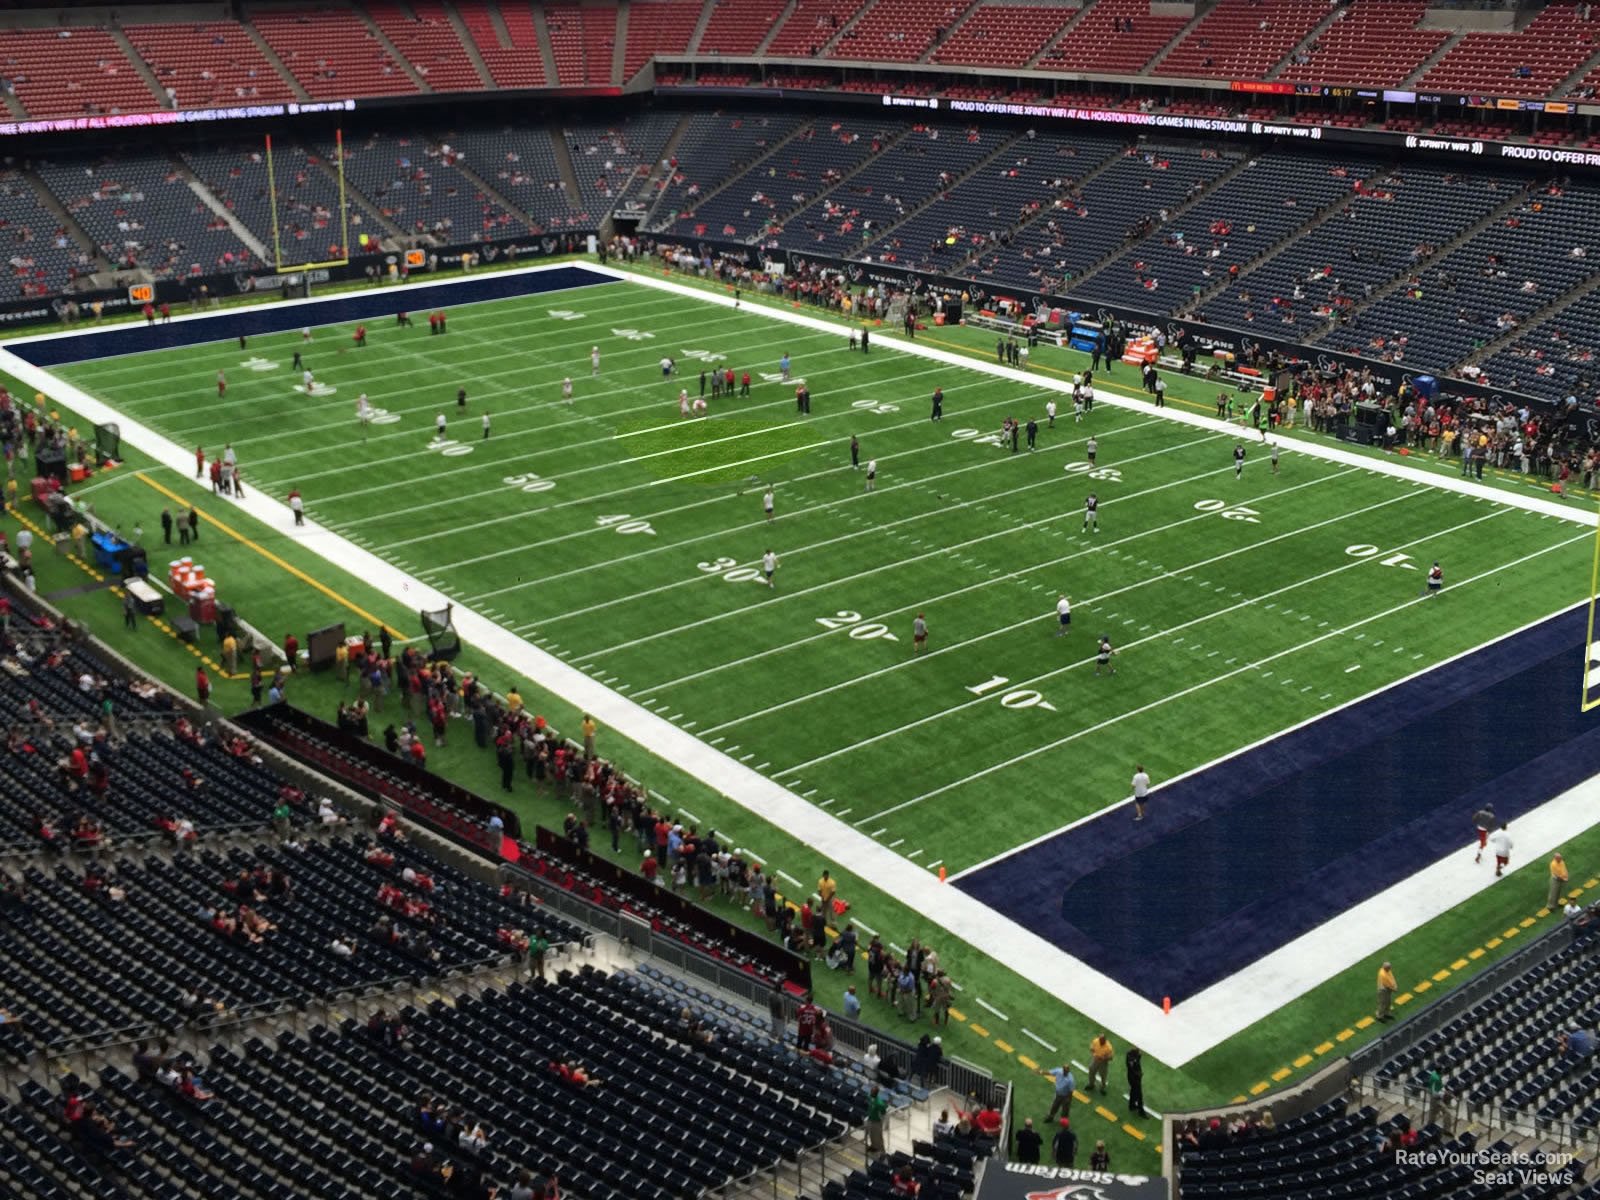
702, 578
586, 411
1174, 1039
478, 495
1034, 620
788, 515
1252, 665
720, 498
588, 420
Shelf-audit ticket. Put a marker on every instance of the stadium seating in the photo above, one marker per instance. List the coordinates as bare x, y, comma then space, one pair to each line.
1494, 280
810, 26
71, 72
309, 227
897, 30
164, 918
1529, 63
1327, 1152
1086, 223
1118, 36
517, 64
1386, 226
713, 148
1556, 360
141, 212
1273, 196
1243, 39
1504, 1055
416, 185
739, 26
208, 64
1375, 43
41, 258
521, 165
1003, 35
583, 42
332, 53
428, 42
658, 27
341, 1112
887, 189
612, 162
755, 202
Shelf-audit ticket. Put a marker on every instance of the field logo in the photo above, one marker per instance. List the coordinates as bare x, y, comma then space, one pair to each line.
633, 335
317, 389
703, 355
256, 363
565, 314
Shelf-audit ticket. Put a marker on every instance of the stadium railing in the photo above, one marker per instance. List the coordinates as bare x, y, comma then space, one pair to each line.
424, 797
960, 1076
1452, 1109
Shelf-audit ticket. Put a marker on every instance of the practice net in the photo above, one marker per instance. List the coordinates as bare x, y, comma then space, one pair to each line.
441, 631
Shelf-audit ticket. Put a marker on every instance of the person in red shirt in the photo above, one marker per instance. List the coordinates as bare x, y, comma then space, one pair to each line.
727, 381
222, 385
361, 335
202, 684
199, 462
149, 313
744, 384
216, 476
650, 868
291, 649
166, 312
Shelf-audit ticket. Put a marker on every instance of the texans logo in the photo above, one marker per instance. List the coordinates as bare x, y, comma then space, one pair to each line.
1070, 1191
549, 245
1324, 363
489, 253
60, 306
1246, 346
856, 274
243, 283
977, 294
1103, 317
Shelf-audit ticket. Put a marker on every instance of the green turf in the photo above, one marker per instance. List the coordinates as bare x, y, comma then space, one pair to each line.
980, 540
628, 540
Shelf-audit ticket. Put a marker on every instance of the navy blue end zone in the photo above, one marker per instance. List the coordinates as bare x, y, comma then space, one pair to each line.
374, 304
1237, 860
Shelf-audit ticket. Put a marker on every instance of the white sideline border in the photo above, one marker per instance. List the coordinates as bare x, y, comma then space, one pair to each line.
1195, 1025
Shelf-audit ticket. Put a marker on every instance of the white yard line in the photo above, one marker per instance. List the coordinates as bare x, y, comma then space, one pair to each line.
1252, 665
719, 498
869, 531
1174, 1039
905, 664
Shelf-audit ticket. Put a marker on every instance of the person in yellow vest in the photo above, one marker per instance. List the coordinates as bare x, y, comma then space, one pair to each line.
589, 730
80, 531
1100, 1055
230, 655
1558, 881
1386, 990
827, 889
341, 662
514, 700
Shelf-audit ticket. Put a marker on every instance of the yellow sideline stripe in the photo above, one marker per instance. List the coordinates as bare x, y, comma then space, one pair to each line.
272, 558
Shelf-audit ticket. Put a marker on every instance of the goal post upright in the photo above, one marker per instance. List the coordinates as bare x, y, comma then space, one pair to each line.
1591, 653
343, 259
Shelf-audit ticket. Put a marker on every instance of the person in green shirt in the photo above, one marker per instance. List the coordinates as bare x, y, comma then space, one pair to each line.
280, 819
877, 1109
538, 945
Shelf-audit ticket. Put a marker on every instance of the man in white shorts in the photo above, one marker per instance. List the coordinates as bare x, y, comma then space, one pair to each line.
766, 503
769, 567
872, 474
1063, 616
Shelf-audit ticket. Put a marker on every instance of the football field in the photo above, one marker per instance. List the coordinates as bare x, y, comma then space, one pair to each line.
628, 540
